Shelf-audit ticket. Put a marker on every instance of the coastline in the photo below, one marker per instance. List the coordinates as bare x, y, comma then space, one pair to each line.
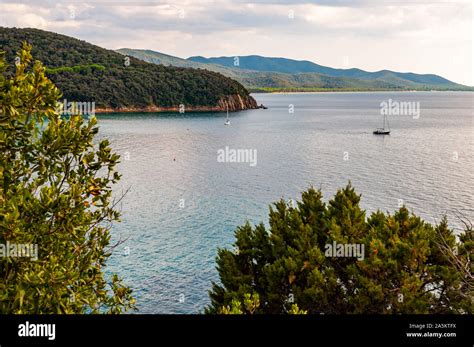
232, 103
361, 91
249, 104
174, 109
283, 91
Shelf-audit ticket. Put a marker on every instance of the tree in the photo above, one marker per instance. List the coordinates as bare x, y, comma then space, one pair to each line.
406, 265
56, 195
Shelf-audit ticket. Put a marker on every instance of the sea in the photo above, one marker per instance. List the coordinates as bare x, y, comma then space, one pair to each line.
189, 180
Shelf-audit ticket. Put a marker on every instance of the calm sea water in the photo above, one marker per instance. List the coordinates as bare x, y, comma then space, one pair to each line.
183, 204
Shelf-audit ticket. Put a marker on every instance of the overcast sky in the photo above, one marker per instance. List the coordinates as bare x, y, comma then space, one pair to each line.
418, 36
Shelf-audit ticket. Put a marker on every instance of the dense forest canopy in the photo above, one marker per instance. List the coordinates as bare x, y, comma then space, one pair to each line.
85, 72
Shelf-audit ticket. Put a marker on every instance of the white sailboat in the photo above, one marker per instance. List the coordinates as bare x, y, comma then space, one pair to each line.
227, 120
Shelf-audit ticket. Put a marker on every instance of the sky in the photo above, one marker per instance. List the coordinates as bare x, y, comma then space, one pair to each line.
407, 36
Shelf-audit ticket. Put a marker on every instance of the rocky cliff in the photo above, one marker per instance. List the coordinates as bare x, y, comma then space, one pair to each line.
237, 102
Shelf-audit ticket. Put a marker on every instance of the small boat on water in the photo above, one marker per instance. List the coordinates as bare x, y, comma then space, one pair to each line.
383, 130
227, 120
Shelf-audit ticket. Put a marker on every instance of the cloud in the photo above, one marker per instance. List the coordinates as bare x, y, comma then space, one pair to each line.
422, 36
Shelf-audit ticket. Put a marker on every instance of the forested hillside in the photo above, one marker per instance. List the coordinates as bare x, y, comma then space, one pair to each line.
280, 74
85, 72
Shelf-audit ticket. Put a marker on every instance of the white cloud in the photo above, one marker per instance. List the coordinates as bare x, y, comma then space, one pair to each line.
422, 36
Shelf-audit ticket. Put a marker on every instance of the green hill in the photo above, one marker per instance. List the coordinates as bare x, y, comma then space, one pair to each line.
85, 72
262, 80
309, 74
301, 80
163, 59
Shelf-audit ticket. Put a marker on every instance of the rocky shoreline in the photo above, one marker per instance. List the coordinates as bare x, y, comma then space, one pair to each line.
232, 102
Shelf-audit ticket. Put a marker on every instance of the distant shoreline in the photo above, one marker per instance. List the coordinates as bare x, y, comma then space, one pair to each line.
284, 91
219, 109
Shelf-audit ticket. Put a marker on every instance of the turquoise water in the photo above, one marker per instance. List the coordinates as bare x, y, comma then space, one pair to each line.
183, 203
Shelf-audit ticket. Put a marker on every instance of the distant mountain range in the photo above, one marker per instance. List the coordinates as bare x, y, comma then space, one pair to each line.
259, 73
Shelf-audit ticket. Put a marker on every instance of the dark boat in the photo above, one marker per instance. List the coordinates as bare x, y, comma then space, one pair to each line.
383, 130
